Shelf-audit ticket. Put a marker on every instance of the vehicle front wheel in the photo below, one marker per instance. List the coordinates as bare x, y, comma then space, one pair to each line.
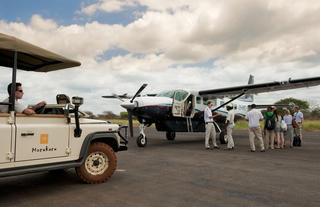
99, 165
141, 141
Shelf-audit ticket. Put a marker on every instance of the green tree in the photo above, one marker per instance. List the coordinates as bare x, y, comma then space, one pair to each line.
303, 105
124, 115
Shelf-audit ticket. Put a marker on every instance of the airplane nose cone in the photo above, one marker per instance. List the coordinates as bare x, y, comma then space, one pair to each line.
129, 105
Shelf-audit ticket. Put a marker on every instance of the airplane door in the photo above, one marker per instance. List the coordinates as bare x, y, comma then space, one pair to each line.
41, 137
5, 131
178, 105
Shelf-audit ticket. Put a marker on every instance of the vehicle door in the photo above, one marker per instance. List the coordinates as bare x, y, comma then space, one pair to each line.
5, 133
178, 104
41, 136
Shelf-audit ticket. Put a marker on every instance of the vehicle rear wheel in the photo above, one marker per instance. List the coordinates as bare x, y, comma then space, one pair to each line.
141, 141
223, 138
99, 165
171, 136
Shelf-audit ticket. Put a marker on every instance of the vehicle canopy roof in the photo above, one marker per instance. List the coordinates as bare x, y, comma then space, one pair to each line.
31, 57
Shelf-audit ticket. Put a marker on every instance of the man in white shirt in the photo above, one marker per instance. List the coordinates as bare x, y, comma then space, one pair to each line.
210, 128
298, 116
18, 107
254, 117
229, 127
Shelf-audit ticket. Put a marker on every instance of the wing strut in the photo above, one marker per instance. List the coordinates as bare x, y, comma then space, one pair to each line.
222, 105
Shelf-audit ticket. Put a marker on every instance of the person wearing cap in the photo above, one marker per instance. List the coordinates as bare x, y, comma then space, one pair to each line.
229, 127
254, 117
210, 128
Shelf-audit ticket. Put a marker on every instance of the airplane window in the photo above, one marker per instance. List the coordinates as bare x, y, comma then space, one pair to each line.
235, 106
198, 100
184, 94
166, 94
205, 100
214, 102
177, 97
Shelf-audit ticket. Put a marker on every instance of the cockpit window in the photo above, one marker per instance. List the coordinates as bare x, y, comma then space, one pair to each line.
166, 94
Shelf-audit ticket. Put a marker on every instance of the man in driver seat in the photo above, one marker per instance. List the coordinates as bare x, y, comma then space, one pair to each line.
18, 107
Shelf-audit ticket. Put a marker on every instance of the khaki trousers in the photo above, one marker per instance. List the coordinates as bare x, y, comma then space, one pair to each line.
229, 135
210, 132
255, 132
298, 131
270, 139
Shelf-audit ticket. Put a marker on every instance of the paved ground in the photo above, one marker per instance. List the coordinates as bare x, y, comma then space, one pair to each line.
182, 173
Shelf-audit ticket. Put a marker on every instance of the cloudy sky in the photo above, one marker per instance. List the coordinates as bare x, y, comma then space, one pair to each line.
169, 44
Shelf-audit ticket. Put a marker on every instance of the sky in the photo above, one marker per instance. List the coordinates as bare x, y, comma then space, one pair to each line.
168, 44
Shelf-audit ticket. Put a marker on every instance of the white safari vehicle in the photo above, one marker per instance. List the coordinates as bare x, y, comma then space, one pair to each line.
58, 136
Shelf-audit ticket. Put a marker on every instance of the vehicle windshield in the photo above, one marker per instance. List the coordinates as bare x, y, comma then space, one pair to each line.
166, 94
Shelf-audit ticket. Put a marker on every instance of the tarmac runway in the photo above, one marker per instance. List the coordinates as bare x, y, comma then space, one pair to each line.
183, 173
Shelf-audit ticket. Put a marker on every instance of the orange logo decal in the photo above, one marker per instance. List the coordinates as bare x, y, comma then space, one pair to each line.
43, 138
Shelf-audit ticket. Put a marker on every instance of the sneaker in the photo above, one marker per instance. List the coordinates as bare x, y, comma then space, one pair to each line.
263, 150
216, 147
252, 151
207, 148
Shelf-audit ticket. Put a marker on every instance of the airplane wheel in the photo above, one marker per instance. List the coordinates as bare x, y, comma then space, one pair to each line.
171, 136
141, 141
223, 138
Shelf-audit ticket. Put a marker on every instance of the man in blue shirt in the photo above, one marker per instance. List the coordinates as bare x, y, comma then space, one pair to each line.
298, 116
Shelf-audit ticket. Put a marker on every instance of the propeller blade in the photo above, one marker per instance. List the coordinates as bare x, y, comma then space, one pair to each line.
139, 91
130, 122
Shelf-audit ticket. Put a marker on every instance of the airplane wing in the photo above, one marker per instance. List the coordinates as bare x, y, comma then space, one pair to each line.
262, 87
125, 96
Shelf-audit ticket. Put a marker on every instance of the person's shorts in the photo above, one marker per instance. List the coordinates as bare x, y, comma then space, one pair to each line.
277, 129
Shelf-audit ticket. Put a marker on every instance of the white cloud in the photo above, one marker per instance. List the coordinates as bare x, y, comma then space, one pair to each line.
272, 40
107, 6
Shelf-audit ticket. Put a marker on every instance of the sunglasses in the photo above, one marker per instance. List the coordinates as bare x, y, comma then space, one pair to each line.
21, 91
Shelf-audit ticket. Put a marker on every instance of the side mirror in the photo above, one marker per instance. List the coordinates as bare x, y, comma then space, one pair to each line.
77, 101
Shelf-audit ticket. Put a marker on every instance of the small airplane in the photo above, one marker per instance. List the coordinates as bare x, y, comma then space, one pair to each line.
182, 111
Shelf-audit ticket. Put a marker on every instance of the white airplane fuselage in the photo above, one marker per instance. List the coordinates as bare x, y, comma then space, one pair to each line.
181, 110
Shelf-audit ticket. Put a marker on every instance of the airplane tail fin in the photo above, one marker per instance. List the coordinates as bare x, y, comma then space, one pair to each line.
249, 97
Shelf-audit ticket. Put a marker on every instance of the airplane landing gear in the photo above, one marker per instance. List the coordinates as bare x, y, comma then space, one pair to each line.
142, 139
171, 135
223, 138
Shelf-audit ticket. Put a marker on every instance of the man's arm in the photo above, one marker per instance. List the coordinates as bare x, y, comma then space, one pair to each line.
39, 105
213, 116
28, 111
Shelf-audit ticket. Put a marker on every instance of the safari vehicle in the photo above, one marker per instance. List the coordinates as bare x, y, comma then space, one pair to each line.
59, 136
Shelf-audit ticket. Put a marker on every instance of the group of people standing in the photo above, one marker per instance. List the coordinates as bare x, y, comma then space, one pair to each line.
276, 127
278, 130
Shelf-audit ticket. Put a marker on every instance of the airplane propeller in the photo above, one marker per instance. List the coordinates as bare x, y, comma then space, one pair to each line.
130, 110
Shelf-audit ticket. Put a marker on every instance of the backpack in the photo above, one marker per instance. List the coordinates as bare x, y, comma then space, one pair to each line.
270, 122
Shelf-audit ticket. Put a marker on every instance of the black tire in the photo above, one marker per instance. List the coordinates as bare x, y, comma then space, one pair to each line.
141, 142
171, 136
99, 164
222, 138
